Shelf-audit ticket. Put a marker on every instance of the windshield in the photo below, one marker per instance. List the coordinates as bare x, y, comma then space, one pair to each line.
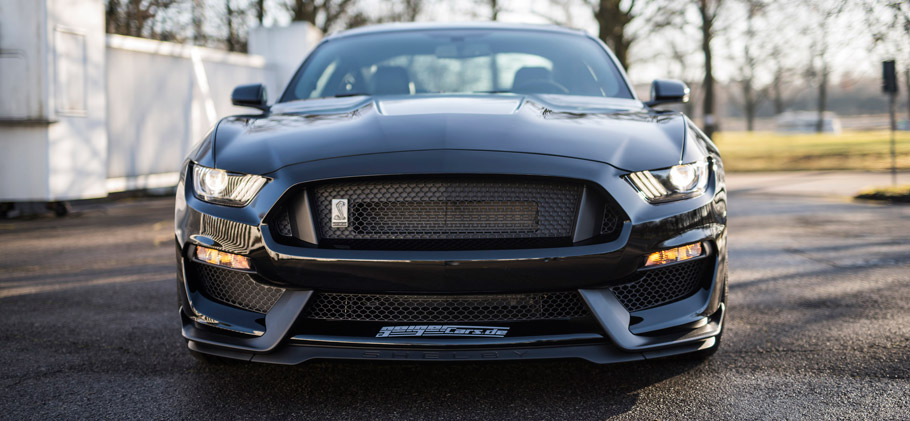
458, 62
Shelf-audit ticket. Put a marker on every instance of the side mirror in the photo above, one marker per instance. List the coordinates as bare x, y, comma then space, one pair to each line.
668, 91
253, 96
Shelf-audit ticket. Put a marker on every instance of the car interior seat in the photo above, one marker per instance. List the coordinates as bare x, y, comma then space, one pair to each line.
391, 80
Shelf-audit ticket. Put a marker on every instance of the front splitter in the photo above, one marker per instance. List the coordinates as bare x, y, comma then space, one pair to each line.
595, 353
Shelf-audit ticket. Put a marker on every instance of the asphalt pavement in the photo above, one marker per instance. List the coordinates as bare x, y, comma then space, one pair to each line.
818, 327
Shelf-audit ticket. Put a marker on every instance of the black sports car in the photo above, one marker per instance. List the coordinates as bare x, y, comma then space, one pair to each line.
460, 192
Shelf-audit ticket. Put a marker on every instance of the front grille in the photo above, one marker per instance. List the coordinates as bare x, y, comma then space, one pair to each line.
661, 286
449, 213
446, 308
237, 289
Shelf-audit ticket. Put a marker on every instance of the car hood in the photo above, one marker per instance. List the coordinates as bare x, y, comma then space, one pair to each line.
621, 133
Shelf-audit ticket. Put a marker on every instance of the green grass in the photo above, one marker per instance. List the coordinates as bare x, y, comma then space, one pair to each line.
850, 150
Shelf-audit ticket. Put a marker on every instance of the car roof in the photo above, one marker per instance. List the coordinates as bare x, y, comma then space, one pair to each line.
411, 26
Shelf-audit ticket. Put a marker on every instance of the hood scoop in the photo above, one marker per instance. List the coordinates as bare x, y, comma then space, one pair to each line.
449, 105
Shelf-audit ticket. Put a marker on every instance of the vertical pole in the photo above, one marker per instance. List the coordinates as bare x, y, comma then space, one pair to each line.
893, 140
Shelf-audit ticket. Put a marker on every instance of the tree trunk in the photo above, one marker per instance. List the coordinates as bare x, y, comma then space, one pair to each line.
750, 104
778, 94
304, 10
907, 82
111, 16
198, 34
752, 98
229, 13
260, 11
612, 21
822, 98
707, 32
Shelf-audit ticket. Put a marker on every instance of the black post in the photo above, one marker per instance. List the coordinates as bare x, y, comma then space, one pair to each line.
893, 141
889, 86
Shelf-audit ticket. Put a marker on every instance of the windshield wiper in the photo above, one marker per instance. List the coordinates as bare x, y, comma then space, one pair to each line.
349, 94
504, 91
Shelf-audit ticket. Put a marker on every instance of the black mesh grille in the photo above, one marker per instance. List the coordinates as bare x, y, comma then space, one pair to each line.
283, 224
661, 286
610, 222
237, 289
447, 309
442, 213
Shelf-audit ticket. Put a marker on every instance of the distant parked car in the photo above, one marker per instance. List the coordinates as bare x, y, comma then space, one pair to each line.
454, 192
807, 122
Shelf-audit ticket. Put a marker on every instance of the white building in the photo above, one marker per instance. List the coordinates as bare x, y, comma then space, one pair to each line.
83, 114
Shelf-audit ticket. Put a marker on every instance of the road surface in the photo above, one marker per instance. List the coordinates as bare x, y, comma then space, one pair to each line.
819, 327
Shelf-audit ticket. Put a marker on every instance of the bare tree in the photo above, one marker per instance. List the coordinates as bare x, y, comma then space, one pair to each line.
672, 16
780, 73
325, 14
412, 9
753, 56
399, 11
819, 32
260, 12
495, 9
613, 18
231, 39
889, 22
198, 11
751, 95
565, 7
680, 57
134, 17
112, 16
708, 11
489, 9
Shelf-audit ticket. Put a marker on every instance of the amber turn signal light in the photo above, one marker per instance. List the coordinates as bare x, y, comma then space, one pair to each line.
220, 258
674, 255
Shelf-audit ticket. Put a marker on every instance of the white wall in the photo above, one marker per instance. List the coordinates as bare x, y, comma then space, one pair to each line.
162, 98
53, 141
83, 113
23, 45
284, 49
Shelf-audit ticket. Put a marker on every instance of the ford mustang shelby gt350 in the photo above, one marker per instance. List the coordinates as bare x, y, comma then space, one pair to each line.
453, 192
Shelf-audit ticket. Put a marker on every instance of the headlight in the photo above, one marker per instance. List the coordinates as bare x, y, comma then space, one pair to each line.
675, 183
223, 188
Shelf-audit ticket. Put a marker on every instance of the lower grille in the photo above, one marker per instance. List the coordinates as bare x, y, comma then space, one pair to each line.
447, 309
283, 224
237, 289
661, 286
610, 222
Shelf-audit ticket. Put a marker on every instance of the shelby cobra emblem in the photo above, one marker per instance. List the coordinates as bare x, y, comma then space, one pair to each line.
339, 213
443, 330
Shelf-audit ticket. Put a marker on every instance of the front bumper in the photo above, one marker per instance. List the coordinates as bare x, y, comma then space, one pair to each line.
278, 337
598, 353
613, 334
